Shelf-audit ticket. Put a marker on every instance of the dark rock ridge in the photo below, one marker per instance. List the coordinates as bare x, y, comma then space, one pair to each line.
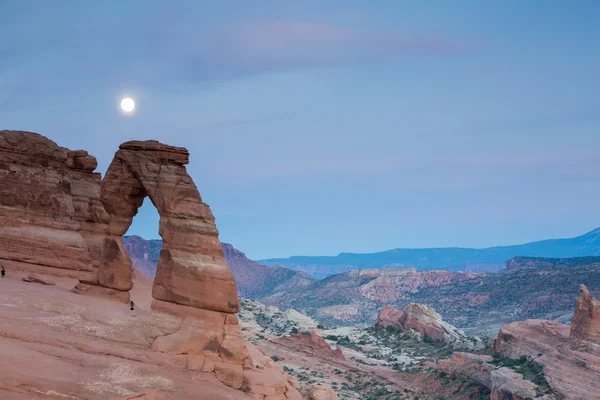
453, 258
518, 263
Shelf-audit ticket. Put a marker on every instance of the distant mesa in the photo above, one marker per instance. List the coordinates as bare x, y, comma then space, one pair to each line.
490, 259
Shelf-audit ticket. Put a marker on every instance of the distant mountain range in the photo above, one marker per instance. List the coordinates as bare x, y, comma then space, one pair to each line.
491, 259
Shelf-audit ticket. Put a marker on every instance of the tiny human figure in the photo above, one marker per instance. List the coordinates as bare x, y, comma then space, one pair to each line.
131, 308
3, 271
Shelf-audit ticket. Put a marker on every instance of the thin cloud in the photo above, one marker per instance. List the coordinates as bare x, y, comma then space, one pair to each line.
270, 45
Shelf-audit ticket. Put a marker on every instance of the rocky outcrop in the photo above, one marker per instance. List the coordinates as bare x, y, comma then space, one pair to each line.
191, 270
428, 323
570, 356
254, 314
313, 344
502, 382
321, 393
52, 218
585, 324
390, 316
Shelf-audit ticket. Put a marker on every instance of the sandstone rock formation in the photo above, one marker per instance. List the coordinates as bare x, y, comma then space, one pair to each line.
572, 368
313, 344
502, 382
390, 316
585, 324
191, 269
254, 314
427, 322
321, 393
58, 219
52, 218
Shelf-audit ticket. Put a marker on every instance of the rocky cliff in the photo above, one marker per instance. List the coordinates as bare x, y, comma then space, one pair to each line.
550, 359
52, 217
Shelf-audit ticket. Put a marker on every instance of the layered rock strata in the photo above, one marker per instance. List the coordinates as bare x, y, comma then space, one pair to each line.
52, 217
191, 268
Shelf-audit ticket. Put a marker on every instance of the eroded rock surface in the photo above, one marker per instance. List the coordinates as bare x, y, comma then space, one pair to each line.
312, 343
502, 382
571, 366
52, 218
191, 268
427, 322
585, 324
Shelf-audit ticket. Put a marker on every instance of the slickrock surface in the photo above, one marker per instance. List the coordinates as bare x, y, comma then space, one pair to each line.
52, 218
312, 343
191, 270
585, 324
427, 322
56, 344
572, 367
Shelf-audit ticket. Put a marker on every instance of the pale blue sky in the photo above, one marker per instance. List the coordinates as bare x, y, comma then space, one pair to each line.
320, 127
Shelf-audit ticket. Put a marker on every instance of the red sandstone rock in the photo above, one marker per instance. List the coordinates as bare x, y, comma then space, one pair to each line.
312, 343
422, 319
585, 324
53, 220
321, 393
50, 205
502, 382
389, 316
572, 367
191, 269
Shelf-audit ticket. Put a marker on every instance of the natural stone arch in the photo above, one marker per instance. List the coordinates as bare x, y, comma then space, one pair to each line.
191, 270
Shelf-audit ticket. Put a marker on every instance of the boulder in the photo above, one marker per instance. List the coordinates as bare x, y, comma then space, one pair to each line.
585, 324
320, 393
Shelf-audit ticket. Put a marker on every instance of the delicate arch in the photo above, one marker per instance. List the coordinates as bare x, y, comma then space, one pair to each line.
191, 269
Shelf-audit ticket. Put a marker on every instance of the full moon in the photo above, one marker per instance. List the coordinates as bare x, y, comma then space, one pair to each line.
127, 104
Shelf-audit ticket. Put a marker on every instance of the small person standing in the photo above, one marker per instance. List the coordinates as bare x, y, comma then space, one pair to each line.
3, 271
131, 308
